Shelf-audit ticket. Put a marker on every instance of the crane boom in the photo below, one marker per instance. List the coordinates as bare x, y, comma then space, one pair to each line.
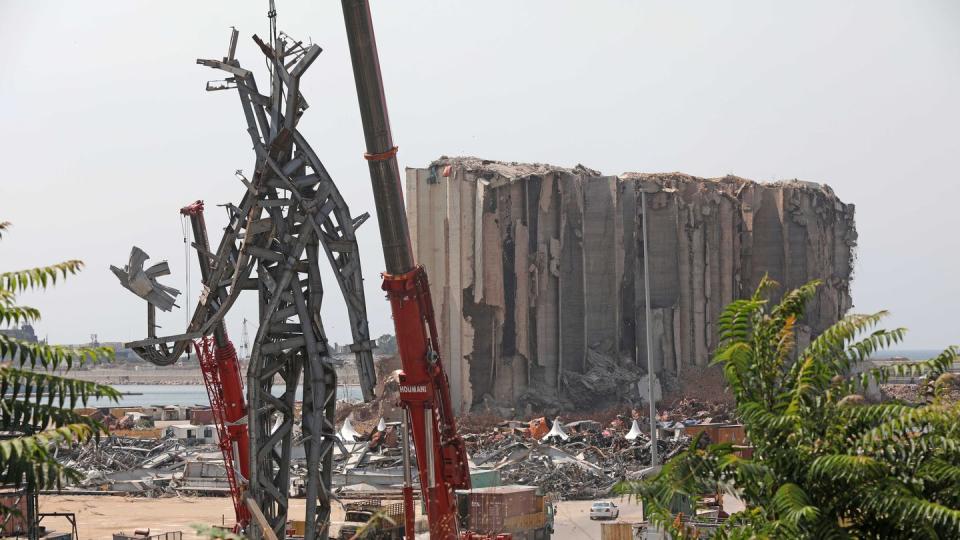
221, 377
424, 389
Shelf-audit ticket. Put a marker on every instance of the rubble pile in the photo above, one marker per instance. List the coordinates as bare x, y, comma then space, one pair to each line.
693, 411
604, 376
368, 459
584, 459
124, 454
127, 464
914, 393
385, 403
581, 457
585, 465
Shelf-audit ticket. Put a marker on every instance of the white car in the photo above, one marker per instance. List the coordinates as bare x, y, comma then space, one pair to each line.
604, 510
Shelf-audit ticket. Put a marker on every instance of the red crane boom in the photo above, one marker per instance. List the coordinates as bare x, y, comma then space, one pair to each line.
424, 389
221, 376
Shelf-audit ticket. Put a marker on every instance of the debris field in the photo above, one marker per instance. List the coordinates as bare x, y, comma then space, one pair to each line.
574, 459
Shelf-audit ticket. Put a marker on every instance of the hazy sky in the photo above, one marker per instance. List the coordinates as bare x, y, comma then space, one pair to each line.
107, 130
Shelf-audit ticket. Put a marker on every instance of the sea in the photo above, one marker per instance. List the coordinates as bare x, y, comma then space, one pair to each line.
137, 395
140, 395
909, 354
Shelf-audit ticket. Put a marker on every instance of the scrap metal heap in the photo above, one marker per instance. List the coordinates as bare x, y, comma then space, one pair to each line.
290, 215
585, 459
580, 458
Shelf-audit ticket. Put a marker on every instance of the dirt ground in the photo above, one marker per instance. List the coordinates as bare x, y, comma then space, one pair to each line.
98, 517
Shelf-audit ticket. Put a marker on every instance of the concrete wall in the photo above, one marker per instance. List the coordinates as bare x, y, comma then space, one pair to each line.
537, 271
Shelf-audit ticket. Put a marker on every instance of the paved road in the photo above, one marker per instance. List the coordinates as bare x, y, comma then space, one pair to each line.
573, 518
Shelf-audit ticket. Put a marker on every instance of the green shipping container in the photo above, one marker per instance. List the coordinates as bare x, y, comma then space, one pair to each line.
481, 478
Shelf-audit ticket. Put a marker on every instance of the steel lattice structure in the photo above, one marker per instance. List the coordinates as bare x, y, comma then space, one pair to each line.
290, 216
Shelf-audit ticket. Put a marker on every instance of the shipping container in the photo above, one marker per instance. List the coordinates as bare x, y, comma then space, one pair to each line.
721, 433
16, 523
482, 478
616, 531
503, 509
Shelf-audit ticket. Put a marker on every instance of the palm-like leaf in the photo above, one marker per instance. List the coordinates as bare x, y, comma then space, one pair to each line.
48, 356
16, 315
36, 406
28, 390
41, 277
31, 417
791, 502
825, 463
29, 460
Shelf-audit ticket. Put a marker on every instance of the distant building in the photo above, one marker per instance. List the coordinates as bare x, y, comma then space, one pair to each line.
173, 412
120, 353
24, 333
200, 417
337, 349
27, 333
206, 475
386, 344
189, 432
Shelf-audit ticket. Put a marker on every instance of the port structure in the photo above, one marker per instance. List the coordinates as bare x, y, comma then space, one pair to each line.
290, 216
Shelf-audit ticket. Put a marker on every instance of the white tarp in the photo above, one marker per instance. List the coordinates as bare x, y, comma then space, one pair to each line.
634, 431
347, 433
555, 431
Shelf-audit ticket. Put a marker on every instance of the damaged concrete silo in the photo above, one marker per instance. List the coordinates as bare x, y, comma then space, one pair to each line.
537, 271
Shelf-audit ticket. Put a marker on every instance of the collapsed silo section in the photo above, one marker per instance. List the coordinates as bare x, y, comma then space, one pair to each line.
537, 272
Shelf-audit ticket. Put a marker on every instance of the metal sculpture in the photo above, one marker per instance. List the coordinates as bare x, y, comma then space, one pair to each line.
291, 212
143, 281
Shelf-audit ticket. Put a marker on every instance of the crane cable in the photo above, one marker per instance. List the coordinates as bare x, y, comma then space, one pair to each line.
272, 15
186, 266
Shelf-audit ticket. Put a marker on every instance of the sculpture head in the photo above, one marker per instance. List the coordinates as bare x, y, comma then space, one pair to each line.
143, 282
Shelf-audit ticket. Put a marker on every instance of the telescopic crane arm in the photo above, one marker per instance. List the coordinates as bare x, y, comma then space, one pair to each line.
221, 376
424, 390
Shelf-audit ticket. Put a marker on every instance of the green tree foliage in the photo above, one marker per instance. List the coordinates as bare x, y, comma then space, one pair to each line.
216, 533
826, 464
36, 401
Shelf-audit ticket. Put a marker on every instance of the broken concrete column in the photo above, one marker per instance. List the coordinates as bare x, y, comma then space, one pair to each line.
538, 271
